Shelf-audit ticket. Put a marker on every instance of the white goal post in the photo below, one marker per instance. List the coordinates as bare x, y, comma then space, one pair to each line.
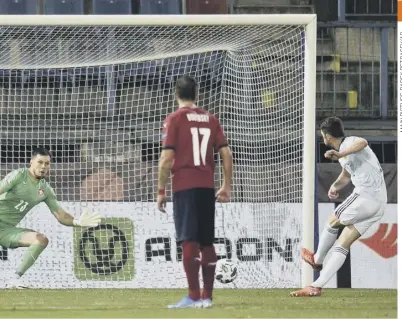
95, 89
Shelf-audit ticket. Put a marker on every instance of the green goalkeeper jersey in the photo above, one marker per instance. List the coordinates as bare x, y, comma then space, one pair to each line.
20, 193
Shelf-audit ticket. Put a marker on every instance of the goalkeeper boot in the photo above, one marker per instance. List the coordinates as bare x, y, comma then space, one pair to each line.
206, 303
308, 291
187, 302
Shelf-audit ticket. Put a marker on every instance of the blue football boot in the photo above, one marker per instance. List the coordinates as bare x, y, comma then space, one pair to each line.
187, 302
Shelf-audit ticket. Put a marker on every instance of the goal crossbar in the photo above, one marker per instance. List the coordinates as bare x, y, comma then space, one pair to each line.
157, 20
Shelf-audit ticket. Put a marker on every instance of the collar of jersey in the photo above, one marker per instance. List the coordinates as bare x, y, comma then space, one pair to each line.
188, 106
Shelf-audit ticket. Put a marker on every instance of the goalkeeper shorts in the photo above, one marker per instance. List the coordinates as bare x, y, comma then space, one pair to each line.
10, 235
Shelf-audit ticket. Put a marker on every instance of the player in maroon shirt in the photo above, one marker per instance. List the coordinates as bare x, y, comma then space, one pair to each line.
190, 136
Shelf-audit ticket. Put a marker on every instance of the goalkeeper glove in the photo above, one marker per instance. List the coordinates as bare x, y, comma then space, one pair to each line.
87, 220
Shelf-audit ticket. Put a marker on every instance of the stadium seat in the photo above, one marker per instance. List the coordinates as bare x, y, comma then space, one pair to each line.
111, 7
64, 7
160, 7
207, 7
18, 6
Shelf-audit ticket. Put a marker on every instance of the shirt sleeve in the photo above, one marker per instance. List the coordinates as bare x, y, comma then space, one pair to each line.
169, 133
12, 179
348, 142
220, 138
51, 200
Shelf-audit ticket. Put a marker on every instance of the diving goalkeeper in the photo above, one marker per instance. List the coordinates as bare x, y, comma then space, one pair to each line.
20, 191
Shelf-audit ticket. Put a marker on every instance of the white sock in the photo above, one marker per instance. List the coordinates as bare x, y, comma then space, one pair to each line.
327, 240
334, 263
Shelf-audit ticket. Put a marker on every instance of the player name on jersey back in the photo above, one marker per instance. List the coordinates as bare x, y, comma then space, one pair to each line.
192, 117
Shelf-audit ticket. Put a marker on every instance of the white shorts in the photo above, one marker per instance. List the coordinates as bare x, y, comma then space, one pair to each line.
361, 212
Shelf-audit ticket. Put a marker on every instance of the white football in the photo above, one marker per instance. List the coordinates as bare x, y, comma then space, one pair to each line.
226, 271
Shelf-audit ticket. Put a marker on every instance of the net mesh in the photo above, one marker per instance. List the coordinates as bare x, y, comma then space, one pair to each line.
96, 96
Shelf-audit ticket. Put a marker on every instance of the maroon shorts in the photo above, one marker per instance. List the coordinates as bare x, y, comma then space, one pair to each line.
194, 215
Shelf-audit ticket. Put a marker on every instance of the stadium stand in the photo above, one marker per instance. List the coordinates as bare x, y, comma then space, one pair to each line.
160, 7
372, 10
349, 68
356, 60
19, 7
111, 7
63, 7
271, 6
207, 7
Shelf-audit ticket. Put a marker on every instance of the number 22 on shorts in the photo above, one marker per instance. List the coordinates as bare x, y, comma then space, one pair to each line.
200, 150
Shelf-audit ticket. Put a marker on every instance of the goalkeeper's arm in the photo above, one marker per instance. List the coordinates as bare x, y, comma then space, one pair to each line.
85, 220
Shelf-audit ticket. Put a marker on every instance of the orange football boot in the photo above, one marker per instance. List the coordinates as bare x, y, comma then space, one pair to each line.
308, 291
308, 257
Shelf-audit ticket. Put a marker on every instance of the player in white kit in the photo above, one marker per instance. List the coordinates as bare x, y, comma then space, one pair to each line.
363, 208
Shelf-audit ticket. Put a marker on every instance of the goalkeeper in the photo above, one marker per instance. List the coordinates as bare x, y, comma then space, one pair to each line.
20, 191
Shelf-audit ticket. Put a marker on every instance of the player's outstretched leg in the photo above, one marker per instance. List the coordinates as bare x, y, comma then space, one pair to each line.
191, 262
308, 257
208, 263
338, 256
327, 240
37, 243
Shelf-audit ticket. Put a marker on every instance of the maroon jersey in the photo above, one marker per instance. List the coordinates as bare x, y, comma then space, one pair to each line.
193, 134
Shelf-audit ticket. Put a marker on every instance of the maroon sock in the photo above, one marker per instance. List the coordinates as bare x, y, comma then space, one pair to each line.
191, 262
208, 270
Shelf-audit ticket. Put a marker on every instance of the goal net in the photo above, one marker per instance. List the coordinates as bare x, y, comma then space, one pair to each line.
95, 90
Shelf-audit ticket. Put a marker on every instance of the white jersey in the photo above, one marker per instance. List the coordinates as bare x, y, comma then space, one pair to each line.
365, 171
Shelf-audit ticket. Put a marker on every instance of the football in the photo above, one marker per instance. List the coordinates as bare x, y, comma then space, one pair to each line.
226, 271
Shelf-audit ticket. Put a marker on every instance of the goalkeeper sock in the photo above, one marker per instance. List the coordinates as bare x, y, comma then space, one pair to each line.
208, 263
191, 262
327, 240
29, 258
334, 263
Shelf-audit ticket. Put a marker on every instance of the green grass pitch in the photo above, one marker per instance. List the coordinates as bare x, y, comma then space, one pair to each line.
231, 303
